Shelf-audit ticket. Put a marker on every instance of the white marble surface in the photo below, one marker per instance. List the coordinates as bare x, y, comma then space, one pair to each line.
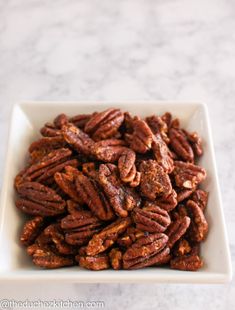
141, 49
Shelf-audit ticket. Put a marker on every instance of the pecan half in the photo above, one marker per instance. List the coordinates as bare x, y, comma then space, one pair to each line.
142, 137
49, 260
31, 230
130, 236
151, 219
37, 199
199, 227
146, 251
80, 227
60, 120
186, 262
162, 154
115, 256
158, 126
154, 181
50, 130
201, 198
77, 139
180, 145
98, 262
92, 195
121, 198
106, 238
188, 175
105, 124
196, 143
177, 229
183, 193
166, 202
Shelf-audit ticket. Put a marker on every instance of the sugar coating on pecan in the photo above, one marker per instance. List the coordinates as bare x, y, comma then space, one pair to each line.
158, 126
115, 256
188, 175
154, 181
104, 125
162, 154
177, 229
151, 218
106, 238
167, 202
121, 198
31, 230
146, 251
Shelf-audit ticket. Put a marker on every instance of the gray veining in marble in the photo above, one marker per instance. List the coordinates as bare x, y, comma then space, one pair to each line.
140, 49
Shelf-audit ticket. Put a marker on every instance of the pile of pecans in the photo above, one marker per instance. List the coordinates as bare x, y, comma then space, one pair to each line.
112, 190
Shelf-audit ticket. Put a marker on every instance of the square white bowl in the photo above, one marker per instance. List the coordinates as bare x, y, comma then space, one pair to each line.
28, 118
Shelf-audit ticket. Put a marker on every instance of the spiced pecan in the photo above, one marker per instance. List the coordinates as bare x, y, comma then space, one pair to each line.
158, 126
80, 120
94, 197
154, 181
188, 175
97, 262
106, 238
183, 193
146, 251
115, 256
31, 230
37, 199
167, 118
186, 262
60, 120
162, 154
49, 260
121, 198
50, 130
201, 198
130, 236
196, 143
151, 219
199, 227
80, 226
180, 145
77, 139
104, 125
177, 229
142, 137
47, 166
166, 202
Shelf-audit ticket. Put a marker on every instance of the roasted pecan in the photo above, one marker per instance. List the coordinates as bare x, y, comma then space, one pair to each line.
146, 251
66, 181
80, 226
158, 126
177, 229
199, 227
200, 197
188, 175
154, 181
43, 170
167, 117
115, 256
49, 260
97, 262
180, 145
105, 124
60, 120
162, 154
38, 149
142, 137
106, 238
127, 168
183, 193
151, 219
121, 198
77, 139
31, 230
50, 130
166, 202
130, 236
196, 143
80, 120
186, 262
94, 197
55, 234
37, 199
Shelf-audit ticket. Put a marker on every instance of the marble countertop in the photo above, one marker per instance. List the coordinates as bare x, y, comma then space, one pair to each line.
125, 50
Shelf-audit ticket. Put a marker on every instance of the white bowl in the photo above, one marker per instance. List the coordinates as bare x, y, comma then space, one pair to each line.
27, 118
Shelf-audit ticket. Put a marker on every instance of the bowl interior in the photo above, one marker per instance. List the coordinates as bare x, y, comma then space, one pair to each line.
28, 118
